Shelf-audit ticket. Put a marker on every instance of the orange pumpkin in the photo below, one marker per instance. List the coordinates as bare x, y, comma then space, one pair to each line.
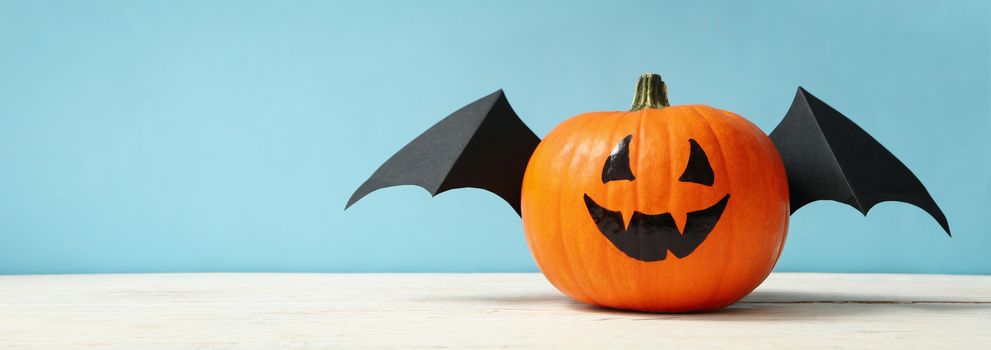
661, 208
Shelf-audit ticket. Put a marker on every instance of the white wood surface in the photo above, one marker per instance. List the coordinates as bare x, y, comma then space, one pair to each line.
347, 311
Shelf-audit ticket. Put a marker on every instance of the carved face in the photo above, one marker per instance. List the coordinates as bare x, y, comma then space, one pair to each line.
673, 209
648, 237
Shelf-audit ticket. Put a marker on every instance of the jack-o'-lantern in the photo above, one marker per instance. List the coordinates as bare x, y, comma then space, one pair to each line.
608, 195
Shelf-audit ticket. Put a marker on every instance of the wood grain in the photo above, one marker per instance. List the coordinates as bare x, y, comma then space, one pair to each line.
206, 311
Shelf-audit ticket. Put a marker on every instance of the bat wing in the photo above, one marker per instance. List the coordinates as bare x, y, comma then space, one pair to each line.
828, 157
482, 145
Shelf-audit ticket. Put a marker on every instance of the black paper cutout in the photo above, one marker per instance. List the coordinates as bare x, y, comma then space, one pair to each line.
828, 157
698, 169
482, 145
617, 166
649, 237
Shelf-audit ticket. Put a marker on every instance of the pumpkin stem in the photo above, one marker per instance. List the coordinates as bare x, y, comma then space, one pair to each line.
651, 93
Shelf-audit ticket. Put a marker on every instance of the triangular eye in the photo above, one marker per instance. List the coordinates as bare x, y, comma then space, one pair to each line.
617, 167
698, 170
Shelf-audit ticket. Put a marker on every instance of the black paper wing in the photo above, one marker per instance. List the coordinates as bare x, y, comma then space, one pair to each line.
482, 145
828, 157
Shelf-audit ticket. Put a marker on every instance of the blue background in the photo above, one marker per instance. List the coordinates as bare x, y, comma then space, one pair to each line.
227, 136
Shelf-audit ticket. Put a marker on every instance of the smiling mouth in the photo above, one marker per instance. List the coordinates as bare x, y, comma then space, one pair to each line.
649, 237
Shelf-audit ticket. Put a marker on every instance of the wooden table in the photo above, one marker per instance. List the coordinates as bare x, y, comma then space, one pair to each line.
406, 311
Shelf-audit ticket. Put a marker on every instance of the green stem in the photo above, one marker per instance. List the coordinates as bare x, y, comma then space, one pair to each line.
651, 93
